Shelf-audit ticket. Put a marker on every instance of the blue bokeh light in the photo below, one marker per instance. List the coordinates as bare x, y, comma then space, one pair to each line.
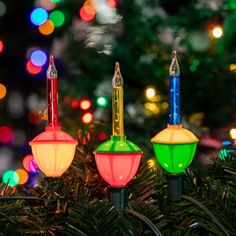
39, 16
38, 57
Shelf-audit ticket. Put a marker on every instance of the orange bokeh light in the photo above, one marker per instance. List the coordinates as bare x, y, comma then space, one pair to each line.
3, 91
26, 162
23, 176
47, 28
87, 118
85, 104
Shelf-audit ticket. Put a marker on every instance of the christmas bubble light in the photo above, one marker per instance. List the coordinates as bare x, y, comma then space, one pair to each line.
117, 159
57, 17
32, 69
10, 178
47, 28
3, 91
22, 175
1, 46
6, 134
217, 32
102, 101
39, 16
174, 146
87, 118
38, 58
85, 104
53, 149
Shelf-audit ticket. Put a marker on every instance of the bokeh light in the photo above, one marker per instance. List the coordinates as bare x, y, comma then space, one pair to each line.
89, 8
2, 8
151, 163
32, 69
47, 28
34, 118
3, 91
233, 133
6, 134
58, 18
232, 67
1, 46
55, 1
74, 104
47, 4
102, 101
102, 136
26, 162
39, 16
10, 178
33, 166
85, 15
85, 104
152, 107
23, 176
150, 93
87, 118
38, 58
217, 32
111, 3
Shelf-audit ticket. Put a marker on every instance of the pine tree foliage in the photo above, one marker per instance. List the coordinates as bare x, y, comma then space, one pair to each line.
79, 203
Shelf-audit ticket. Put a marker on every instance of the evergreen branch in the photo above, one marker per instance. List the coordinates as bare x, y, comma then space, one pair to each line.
20, 198
206, 211
144, 219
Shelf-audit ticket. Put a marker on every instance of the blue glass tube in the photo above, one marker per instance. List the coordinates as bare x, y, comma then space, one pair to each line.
174, 100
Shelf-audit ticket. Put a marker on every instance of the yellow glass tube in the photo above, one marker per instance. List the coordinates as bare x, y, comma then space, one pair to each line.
117, 103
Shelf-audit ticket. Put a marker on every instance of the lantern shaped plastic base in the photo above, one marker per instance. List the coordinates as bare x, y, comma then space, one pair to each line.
117, 168
117, 160
53, 151
174, 187
174, 148
118, 198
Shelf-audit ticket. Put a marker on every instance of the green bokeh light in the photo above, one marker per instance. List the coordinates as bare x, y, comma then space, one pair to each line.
55, 1
58, 18
102, 101
174, 158
11, 178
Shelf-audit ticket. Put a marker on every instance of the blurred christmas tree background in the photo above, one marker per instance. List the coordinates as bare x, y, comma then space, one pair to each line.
87, 38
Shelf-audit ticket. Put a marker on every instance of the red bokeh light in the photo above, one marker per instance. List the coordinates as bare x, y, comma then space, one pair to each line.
26, 162
32, 69
6, 134
102, 136
85, 15
111, 3
34, 118
1, 46
74, 104
117, 168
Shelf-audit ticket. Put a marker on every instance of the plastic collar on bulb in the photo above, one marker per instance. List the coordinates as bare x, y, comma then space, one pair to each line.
118, 144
